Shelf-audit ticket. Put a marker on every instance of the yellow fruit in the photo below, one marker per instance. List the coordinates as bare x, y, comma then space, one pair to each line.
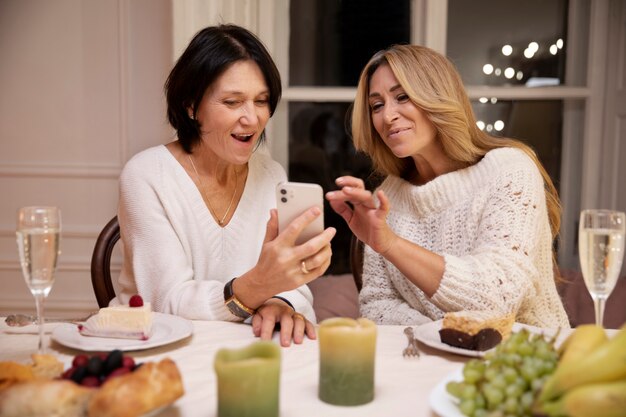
597, 400
604, 364
583, 340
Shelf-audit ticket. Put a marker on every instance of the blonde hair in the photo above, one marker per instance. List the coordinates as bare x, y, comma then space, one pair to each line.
434, 85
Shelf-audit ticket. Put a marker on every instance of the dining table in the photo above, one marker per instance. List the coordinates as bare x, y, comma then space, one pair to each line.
403, 385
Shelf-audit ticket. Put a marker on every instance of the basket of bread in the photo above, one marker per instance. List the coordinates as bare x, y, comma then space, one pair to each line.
102, 385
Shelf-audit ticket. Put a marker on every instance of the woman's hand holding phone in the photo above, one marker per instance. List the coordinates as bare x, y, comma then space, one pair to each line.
285, 264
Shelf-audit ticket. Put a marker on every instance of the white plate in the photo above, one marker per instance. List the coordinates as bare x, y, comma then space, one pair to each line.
442, 403
166, 328
428, 334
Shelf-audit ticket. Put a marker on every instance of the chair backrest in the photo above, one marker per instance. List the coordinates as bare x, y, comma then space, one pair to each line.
356, 261
101, 263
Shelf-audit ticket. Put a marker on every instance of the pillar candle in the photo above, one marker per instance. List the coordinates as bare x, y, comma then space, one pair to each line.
248, 380
347, 353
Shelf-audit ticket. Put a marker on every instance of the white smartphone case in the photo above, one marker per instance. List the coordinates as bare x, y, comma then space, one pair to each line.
294, 198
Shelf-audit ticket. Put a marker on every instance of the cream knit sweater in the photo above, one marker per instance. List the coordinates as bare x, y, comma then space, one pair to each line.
490, 223
175, 254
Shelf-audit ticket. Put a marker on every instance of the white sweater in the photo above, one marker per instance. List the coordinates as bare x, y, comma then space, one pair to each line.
490, 223
175, 254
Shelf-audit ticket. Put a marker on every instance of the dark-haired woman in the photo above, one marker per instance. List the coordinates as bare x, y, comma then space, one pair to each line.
194, 213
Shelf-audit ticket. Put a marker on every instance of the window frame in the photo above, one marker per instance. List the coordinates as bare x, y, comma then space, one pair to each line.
584, 103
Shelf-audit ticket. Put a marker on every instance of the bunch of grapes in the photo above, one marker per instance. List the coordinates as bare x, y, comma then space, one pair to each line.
93, 371
506, 382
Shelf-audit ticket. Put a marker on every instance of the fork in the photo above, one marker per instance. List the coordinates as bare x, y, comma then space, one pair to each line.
411, 349
20, 320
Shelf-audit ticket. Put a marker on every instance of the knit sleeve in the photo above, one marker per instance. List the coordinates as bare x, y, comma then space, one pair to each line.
379, 301
156, 262
504, 267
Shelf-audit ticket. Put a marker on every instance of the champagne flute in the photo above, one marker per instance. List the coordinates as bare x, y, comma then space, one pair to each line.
601, 251
38, 231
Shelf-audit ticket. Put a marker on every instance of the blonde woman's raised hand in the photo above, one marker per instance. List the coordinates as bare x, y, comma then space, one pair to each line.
366, 217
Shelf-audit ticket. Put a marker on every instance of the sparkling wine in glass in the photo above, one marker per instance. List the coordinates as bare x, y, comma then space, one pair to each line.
38, 231
601, 251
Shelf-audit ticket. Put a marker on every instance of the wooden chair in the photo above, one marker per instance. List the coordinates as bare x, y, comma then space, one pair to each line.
356, 261
101, 262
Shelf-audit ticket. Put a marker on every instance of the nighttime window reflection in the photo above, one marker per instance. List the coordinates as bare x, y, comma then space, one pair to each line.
508, 42
538, 123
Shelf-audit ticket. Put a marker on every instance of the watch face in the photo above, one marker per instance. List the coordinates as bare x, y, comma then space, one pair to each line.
233, 304
234, 308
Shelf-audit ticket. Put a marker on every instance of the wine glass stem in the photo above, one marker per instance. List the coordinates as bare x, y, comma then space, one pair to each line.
39, 299
598, 304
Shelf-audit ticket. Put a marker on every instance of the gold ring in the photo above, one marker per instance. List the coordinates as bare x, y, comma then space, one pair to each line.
303, 268
298, 315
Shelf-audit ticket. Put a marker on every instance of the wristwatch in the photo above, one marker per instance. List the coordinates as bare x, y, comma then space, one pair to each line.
233, 304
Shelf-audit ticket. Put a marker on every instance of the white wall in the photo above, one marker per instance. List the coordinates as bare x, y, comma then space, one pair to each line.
81, 86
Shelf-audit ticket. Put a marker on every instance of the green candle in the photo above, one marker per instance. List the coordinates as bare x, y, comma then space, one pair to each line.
347, 352
248, 380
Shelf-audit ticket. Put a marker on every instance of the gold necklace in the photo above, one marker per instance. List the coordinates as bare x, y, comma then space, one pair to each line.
219, 221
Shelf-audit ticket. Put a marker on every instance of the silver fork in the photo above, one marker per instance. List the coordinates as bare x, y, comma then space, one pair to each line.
19, 320
411, 349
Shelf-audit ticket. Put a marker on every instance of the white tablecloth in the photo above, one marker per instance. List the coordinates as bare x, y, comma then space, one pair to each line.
402, 385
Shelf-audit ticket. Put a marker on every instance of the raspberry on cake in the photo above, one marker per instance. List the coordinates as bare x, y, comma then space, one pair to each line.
121, 322
475, 330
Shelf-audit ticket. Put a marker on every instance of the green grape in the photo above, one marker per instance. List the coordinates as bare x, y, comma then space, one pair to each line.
455, 388
494, 396
525, 349
507, 379
510, 405
527, 400
510, 374
491, 372
480, 401
467, 407
529, 372
469, 391
471, 375
499, 381
481, 412
513, 391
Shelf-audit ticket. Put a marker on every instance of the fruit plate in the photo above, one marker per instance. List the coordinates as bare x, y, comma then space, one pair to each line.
428, 334
442, 403
166, 329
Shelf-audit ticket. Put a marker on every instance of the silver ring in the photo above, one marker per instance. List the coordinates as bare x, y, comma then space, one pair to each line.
303, 268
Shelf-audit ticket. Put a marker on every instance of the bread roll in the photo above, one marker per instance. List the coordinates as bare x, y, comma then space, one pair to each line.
151, 386
44, 398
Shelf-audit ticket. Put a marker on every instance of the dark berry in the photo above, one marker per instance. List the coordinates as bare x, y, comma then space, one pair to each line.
113, 361
135, 301
68, 373
128, 362
79, 373
80, 360
94, 366
90, 381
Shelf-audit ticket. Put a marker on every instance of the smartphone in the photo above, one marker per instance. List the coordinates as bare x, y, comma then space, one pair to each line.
293, 199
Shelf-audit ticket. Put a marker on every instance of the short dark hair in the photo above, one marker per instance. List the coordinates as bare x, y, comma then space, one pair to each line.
209, 54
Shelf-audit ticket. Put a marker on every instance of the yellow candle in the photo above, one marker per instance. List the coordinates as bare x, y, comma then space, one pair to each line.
248, 380
347, 353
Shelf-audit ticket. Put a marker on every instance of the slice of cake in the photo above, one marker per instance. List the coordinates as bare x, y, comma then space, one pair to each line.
475, 330
121, 322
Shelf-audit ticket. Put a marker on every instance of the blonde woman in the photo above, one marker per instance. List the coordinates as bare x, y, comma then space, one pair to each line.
463, 220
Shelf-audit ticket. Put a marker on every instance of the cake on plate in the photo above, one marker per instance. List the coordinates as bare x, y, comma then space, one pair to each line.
475, 330
133, 321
